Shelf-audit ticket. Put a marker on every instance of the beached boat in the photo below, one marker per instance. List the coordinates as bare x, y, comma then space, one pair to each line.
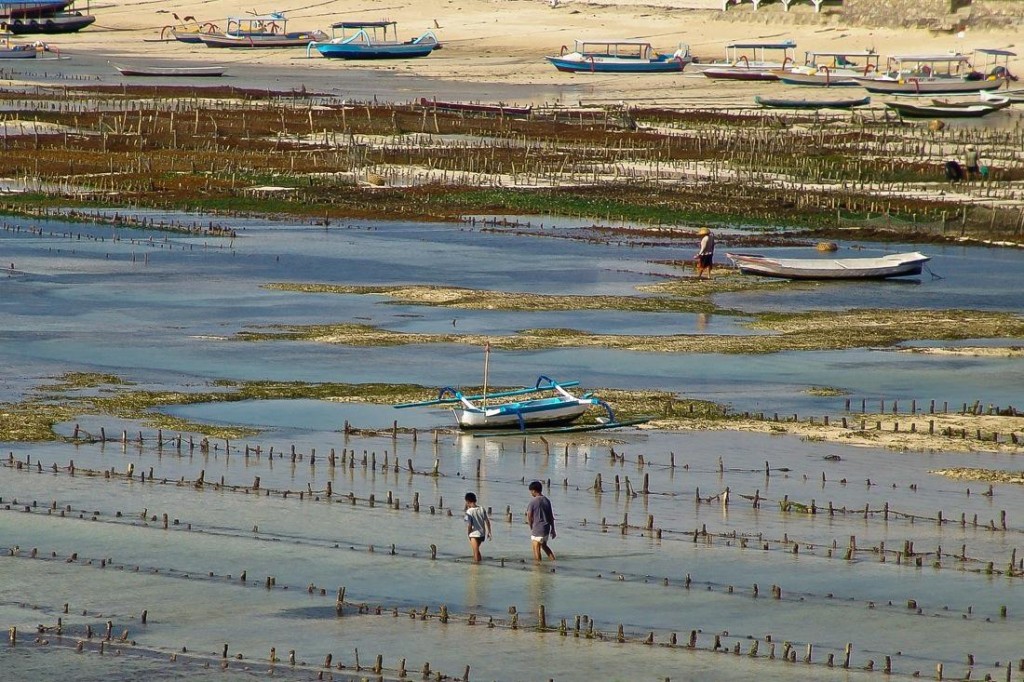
883, 267
908, 110
260, 31
187, 30
1010, 97
171, 71
372, 40
750, 61
619, 56
783, 103
985, 99
554, 405
9, 50
931, 74
61, 22
32, 8
477, 108
831, 69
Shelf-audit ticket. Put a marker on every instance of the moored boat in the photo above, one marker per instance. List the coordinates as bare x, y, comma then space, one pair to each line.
750, 61
477, 107
32, 8
831, 69
985, 99
372, 40
187, 30
931, 74
554, 405
61, 22
171, 71
263, 30
909, 110
9, 50
619, 56
783, 103
883, 267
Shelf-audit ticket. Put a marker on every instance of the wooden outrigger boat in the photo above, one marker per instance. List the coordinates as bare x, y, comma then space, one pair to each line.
782, 103
950, 110
372, 40
884, 267
932, 74
266, 30
545, 405
555, 406
755, 67
477, 108
619, 56
985, 99
831, 69
171, 71
32, 8
188, 30
9, 50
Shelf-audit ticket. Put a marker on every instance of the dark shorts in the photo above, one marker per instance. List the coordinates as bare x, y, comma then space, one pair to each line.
705, 261
972, 169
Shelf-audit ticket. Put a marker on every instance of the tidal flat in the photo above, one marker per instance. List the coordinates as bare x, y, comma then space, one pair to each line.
215, 297
240, 485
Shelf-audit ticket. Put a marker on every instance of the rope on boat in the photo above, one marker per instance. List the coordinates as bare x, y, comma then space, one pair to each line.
929, 271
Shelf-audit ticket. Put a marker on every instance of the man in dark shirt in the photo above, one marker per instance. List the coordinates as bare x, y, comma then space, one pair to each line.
541, 521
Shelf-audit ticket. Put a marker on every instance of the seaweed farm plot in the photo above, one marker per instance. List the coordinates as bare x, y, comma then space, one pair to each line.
711, 555
309, 154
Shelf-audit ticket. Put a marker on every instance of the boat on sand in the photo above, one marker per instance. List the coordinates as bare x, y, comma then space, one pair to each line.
619, 56
255, 30
170, 71
784, 103
881, 267
372, 40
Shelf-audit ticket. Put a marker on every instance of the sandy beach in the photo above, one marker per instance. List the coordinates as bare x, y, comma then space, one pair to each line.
499, 45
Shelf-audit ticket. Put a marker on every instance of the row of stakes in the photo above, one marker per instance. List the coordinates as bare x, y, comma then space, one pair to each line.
583, 626
908, 554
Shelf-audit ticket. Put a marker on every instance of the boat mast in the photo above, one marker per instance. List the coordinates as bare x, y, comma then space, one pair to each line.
487, 358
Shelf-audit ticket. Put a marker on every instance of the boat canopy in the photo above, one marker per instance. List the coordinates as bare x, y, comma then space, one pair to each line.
810, 54
614, 48
993, 52
787, 45
364, 24
930, 58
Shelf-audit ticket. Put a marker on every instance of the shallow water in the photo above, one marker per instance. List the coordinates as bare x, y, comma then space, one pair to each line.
165, 322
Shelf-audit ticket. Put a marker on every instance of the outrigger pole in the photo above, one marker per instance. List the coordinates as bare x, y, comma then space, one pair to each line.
487, 358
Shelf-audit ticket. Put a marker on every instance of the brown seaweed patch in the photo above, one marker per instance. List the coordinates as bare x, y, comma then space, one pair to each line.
984, 475
816, 330
685, 294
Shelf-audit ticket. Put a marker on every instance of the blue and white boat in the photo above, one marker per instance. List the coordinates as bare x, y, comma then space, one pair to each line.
554, 405
372, 40
619, 56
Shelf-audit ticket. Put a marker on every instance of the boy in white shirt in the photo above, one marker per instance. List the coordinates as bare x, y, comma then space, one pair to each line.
478, 525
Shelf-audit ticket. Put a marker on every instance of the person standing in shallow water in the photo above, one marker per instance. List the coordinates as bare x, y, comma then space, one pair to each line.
478, 525
541, 520
706, 253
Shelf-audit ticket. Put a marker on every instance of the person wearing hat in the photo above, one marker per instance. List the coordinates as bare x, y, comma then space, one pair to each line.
971, 161
706, 254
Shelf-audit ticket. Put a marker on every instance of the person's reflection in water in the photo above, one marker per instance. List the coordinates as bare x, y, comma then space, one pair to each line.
539, 589
703, 320
476, 586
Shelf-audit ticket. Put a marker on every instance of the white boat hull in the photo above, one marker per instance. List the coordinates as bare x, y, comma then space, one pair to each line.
528, 414
894, 265
928, 86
